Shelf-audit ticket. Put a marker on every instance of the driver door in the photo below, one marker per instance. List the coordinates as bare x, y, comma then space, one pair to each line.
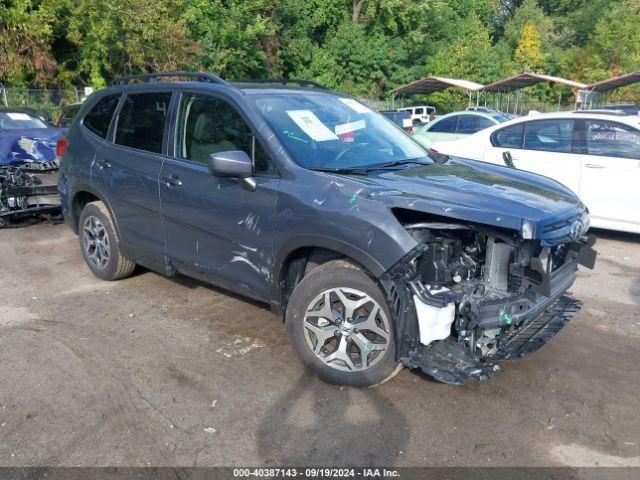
214, 229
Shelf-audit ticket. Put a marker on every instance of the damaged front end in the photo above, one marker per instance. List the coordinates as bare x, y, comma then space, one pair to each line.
24, 193
470, 295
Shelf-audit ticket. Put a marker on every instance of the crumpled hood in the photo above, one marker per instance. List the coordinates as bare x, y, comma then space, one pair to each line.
477, 192
29, 145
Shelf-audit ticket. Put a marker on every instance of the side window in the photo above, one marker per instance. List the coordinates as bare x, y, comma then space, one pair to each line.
99, 118
469, 124
419, 111
141, 121
209, 125
508, 137
549, 135
446, 125
612, 139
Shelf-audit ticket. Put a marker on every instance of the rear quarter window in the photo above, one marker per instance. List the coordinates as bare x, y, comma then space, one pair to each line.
99, 117
508, 137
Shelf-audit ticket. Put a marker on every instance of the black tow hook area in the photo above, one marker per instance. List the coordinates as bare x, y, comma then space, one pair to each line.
450, 362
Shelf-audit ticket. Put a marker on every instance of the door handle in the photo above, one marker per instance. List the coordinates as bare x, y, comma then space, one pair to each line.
172, 181
102, 164
593, 165
508, 159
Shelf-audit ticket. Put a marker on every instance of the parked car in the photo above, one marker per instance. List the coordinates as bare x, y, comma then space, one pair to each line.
479, 108
456, 125
626, 108
28, 166
67, 114
375, 255
25, 137
421, 113
596, 155
401, 119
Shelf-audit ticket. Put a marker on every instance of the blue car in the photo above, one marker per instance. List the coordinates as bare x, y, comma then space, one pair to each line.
375, 254
28, 166
26, 138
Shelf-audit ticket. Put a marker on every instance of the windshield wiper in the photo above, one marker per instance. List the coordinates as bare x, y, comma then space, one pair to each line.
363, 170
352, 171
396, 163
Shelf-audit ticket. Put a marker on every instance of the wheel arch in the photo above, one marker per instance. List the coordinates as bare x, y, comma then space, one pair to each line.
292, 261
82, 197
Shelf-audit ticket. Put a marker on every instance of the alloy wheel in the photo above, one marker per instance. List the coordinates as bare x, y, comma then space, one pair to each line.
96, 242
347, 329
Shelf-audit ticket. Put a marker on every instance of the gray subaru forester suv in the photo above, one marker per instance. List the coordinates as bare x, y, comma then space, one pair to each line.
375, 254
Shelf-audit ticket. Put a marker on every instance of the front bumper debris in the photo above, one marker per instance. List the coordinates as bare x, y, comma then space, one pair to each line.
452, 362
24, 194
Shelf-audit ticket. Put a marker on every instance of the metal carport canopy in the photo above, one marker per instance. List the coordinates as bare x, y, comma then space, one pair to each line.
613, 83
434, 84
523, 80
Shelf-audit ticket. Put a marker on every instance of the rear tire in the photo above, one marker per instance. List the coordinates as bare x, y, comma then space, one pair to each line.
340, 326
99, 243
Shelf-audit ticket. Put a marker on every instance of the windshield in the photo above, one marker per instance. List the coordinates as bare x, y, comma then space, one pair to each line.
324, 131
19, 120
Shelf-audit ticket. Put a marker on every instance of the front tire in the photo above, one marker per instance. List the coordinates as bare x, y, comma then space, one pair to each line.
340, 326
100, 244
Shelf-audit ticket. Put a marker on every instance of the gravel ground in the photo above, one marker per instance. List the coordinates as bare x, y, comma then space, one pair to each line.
157, 371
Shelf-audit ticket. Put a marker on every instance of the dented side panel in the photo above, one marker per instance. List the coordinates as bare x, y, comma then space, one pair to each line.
217, 231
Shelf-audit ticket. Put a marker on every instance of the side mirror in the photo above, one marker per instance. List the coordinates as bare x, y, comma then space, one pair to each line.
233, 164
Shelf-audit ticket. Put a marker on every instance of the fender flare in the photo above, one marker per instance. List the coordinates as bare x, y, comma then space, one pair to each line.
372, 265
84, 187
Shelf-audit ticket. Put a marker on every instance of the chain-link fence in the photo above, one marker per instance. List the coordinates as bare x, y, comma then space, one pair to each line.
46, 102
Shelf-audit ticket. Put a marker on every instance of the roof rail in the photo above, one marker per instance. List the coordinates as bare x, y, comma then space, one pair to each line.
284, 81
153, 77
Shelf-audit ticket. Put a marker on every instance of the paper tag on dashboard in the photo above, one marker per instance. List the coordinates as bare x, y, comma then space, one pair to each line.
18, 116
355, 105
350, 127
311, 125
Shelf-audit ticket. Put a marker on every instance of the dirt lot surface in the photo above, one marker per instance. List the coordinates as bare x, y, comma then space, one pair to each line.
157, 371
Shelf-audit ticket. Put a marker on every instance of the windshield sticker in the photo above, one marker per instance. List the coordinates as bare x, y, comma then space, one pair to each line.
355, 105
311, 125
18, 116
350, 127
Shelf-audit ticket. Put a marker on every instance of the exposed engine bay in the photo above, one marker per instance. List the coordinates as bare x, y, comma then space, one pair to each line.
480, 295
28, 191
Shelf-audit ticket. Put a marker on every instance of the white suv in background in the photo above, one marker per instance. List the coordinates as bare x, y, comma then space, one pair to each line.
421, 113
597, 155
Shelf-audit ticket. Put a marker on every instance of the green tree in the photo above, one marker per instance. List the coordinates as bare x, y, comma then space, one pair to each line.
25, 53
616, 38
108, 38
237, 37
528, 55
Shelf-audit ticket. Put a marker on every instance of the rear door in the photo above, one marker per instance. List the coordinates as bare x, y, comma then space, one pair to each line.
611, 174
215, 230
545, 147
126, 172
